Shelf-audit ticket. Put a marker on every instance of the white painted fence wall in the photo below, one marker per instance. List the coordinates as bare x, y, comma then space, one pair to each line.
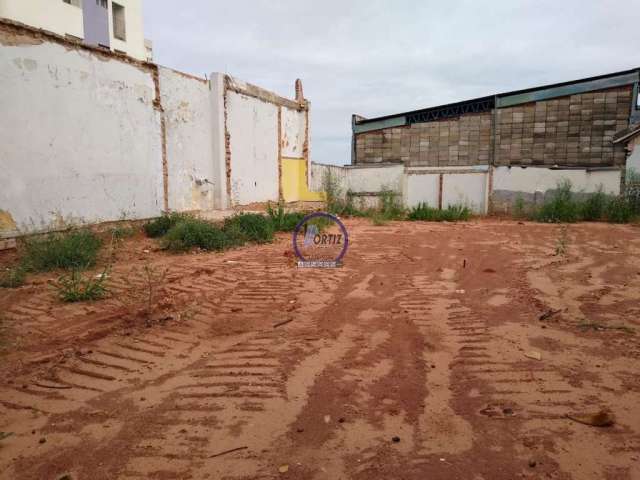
80, 139
87, 137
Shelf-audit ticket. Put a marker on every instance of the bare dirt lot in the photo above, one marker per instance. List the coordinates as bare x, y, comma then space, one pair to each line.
440, 351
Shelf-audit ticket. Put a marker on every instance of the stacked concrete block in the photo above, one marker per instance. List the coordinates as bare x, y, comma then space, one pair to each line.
576, 130
460, 141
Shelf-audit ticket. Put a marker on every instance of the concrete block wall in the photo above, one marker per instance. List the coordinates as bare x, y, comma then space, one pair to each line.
572, 130
461, 141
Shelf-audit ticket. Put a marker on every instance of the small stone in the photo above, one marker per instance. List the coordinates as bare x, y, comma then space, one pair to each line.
43, 440
341, 420
507, 411
532, 463
395, 439
283, 468
300, 430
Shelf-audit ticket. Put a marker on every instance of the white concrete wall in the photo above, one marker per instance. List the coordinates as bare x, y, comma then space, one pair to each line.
293, 133
422, 188
82, 141
218, 141
534, 179
54, 16
253, 129
188, 122
85, 138
318, 171
468, 189
633, 160
368, 179
375, 179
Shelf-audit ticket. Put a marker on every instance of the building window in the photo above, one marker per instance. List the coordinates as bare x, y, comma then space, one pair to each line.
119, 29
102, 3
75, 3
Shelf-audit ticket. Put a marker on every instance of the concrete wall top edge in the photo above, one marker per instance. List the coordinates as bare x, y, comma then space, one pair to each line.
239, 86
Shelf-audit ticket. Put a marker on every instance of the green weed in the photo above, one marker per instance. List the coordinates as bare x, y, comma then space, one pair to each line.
390, 206
252, 226
562, 207
76, 249
619, 210
76, 287
594, 206
519, 207
194, 233
158, 227
562, 242
450, 214
283, 221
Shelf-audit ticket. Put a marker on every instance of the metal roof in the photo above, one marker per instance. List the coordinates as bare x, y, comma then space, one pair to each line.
501, 100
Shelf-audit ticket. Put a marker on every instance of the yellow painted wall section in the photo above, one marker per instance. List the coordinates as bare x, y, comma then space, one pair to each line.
294, 182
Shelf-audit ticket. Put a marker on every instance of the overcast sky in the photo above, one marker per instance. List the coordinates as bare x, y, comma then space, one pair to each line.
375, 57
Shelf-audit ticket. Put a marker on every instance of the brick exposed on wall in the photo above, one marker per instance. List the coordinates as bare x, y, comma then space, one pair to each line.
574, 130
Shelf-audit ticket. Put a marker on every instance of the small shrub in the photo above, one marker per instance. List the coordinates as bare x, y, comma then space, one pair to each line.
519, 207
194, 233
77, 249
450, 214
390, 207
562, 242
77, 288
253, 226
619, 210
158, 227
283, 221
594, 206
13, 277
562, 207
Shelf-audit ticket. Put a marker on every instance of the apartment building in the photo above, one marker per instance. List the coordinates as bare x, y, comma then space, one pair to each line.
116, 25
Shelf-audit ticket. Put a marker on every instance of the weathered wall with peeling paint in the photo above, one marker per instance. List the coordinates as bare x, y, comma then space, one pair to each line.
94, 137
188, 122
80, 138
253, 129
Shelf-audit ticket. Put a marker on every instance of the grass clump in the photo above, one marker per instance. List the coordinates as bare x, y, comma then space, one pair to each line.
158, 227
190, 232
194, 233
565, 207
562, 207
13, 277
452, 213
75, 287
339, 202
620, 210
283, 221
390, 206
251, 227
76, 249
594, 206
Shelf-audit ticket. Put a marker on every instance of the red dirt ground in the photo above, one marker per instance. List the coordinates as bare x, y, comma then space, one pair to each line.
425, 334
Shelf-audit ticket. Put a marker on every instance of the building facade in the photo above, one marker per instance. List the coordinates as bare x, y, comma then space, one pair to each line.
116, 25
570, 124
